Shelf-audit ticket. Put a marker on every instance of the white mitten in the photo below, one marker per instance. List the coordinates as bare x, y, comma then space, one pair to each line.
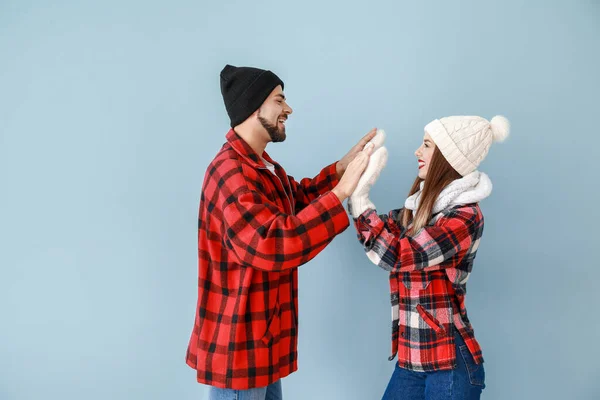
377, 140
359, 200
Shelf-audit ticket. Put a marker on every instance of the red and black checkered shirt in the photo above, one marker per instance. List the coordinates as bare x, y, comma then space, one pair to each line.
255, 228
428, 276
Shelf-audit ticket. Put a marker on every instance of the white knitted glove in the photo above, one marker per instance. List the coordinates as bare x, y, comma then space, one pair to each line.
377, 140
359, 200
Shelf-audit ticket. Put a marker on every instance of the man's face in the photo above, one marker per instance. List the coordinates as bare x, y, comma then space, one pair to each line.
273, 113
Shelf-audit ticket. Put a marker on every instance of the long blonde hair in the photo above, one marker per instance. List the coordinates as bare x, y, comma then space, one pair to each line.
439, 175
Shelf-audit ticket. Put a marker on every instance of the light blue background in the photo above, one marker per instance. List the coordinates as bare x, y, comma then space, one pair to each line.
110, 112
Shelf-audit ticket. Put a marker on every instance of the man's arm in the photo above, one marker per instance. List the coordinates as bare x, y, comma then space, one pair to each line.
261, 236
307, 190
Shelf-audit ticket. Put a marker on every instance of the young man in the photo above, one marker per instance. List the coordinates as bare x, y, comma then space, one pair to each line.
256, 226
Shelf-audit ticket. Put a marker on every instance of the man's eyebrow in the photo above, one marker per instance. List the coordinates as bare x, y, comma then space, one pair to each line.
280, 95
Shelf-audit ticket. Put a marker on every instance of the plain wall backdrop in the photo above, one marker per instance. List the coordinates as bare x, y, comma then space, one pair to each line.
110, 112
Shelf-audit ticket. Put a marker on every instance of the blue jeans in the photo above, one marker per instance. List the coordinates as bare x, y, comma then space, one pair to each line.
271, 392
465, 382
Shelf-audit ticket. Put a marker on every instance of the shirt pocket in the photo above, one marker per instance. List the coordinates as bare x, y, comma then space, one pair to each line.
476, 372
273, 327
434, 304
431, 321
415, 281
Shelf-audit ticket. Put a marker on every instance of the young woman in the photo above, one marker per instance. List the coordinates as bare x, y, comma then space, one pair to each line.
428, 246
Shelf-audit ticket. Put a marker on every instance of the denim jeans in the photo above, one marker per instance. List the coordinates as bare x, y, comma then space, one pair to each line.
271, 392
465, 382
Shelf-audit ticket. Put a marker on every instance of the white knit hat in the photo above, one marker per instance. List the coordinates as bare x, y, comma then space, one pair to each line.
465, 141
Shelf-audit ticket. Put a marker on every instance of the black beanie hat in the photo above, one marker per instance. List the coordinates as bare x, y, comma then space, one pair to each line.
244, 89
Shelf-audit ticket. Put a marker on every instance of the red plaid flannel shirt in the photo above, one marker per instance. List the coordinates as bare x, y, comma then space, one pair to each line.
254, 229
428, 275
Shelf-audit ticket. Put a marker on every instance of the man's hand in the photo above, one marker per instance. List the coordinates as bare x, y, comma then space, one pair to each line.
375, 138
348, 182
343, 163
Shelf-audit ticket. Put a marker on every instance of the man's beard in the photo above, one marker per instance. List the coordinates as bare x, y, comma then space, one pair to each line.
276, 134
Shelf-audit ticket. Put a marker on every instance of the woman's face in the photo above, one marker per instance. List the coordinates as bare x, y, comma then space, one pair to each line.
424, 154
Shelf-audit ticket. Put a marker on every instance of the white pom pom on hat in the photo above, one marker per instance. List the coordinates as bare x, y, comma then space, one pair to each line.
500, 128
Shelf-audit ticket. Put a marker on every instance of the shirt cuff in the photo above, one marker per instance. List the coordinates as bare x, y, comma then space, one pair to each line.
369, 226
336, 210
331, 171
